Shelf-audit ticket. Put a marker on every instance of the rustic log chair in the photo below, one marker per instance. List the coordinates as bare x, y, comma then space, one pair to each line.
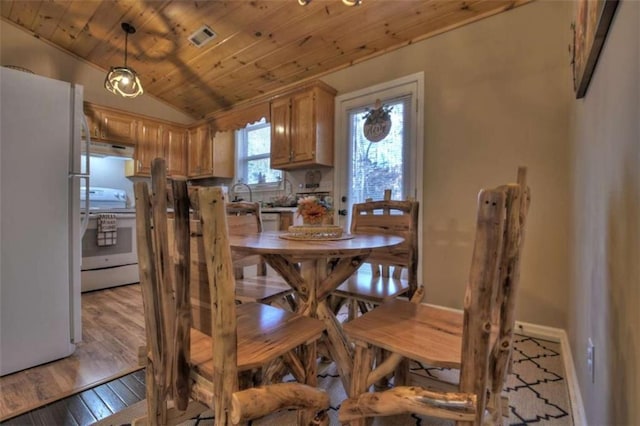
478, 342
183, 362
244, 218
393, 273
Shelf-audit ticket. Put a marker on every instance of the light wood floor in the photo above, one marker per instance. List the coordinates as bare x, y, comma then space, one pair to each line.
112, 331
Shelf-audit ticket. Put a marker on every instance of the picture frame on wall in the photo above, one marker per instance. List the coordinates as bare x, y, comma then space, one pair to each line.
593, 19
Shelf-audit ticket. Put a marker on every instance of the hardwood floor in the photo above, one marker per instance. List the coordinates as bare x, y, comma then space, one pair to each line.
87, 407
112, 331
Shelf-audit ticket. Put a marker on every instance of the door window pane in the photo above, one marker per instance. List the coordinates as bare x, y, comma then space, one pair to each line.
376, 166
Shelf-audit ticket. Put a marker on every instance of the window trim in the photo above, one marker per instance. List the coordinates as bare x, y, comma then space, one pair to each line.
242, 159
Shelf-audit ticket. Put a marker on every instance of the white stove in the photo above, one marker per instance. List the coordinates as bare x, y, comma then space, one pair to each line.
104, 199
109, 258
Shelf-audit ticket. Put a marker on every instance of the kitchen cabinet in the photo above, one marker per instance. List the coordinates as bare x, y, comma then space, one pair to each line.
199, 155
302, 127
111, 126
154, 140
210, 154
175, 148
148, 147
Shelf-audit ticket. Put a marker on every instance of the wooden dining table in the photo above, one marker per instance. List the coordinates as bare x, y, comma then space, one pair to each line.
314, 269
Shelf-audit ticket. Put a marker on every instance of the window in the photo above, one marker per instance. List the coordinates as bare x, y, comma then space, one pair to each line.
254, 150
384, 164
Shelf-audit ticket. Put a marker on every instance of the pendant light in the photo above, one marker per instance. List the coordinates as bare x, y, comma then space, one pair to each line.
124, 81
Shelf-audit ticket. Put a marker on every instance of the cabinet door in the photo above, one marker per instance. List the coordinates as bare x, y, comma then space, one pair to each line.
148, 147
280, 132
224, 154
93, 121
200, 155
303, 127
175, 150
117, 127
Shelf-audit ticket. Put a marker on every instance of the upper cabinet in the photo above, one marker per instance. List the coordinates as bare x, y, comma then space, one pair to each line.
111, 126
302, 127
210, 153
199, 158
175, 148
148, 147
159, 140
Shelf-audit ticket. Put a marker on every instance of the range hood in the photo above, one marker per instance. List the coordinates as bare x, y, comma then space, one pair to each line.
102, 149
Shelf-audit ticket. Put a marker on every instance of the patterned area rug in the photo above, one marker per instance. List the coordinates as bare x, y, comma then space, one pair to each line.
537, 390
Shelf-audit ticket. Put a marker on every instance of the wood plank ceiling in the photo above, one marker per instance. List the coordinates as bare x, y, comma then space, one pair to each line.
261, 45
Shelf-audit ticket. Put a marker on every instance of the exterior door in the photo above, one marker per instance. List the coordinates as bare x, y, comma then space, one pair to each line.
368, 168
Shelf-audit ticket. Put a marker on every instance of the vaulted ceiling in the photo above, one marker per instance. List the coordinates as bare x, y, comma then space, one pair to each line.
261, 45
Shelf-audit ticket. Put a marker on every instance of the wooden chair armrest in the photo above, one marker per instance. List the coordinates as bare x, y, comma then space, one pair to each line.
257, 402
447, 405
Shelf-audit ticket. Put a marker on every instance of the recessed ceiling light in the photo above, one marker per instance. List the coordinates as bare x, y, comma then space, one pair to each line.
202, 36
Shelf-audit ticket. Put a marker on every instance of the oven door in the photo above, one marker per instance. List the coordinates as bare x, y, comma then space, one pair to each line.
110, 265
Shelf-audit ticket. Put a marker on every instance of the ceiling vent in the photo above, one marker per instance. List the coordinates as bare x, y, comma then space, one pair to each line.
202, 36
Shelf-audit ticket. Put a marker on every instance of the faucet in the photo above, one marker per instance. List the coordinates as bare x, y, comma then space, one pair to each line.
284, 186
235, 196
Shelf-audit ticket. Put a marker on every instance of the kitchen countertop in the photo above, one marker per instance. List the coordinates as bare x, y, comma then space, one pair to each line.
278, 209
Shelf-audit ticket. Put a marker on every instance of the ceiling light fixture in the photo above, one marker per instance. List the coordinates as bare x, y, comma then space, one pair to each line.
346, 2
124, 81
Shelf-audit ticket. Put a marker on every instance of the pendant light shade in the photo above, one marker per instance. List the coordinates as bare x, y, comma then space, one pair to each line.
124, 81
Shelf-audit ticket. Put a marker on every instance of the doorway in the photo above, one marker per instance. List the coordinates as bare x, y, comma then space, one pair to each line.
364, 169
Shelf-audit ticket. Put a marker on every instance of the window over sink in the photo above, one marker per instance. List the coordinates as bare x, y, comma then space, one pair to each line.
254, 151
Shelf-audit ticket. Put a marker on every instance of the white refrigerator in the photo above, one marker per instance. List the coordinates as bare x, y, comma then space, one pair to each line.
40, 232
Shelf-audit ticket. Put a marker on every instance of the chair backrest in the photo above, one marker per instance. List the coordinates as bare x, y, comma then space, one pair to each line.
244, 218
479, 294
518, 199
164, 279
391, 217
222, 290
166, 290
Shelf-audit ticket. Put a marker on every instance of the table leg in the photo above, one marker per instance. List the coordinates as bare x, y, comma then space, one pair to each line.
338, 345
314, 285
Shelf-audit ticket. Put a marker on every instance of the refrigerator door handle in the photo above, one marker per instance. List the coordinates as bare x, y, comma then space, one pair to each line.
85, 176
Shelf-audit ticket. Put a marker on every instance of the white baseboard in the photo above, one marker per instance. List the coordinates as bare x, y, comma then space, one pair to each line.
575, 397
557, 335
541, 331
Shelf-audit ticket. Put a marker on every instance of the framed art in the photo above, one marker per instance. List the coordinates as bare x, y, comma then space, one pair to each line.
593, 19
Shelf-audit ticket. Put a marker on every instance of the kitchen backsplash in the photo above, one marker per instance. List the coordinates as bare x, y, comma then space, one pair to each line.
109, 172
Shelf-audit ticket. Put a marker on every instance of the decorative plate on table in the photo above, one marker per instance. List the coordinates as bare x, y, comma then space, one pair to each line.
316, 232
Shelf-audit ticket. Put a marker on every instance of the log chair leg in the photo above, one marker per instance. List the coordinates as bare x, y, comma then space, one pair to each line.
362, 361
401, 376
308, 356
383, 383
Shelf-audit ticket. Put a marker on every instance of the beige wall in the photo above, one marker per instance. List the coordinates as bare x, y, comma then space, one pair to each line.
605, 285
21, 49
497, 95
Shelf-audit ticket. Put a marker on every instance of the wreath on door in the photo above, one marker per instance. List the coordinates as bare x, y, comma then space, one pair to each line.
377, 122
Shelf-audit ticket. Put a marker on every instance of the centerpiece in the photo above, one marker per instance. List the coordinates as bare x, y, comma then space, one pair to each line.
313, 210
316, 215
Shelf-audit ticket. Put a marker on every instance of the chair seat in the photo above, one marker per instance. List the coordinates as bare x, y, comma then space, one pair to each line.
427, 334
366, 287
259, 326
261, 288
